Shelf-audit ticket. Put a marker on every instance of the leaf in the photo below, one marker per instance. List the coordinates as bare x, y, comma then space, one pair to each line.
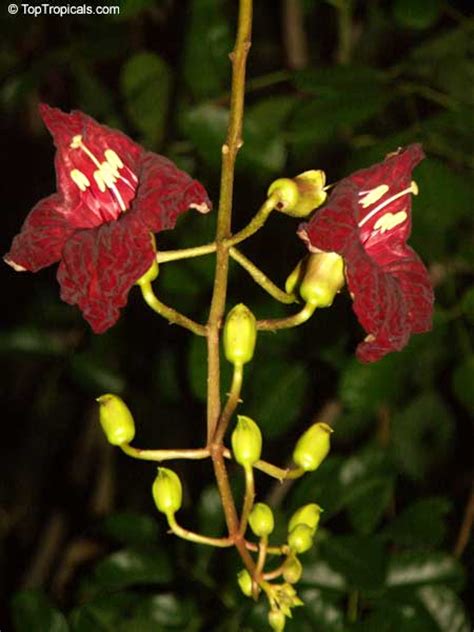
324, 114
421, 525
88, 370
463, 379
318, 573
206, 125
208, 44
467, 304
417, 15
277, 396
210, 514
409, 569
103, 613
360, 559
128, 567
32, 340
422, 434
131, 528
169, 611
390, 616
146, 85
322, 612
445, 608
33, 612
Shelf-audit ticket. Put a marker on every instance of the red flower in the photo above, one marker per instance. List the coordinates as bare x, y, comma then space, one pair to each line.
111, 195
367, 220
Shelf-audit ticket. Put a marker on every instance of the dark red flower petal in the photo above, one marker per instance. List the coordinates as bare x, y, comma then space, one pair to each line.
164, 192
389, 284
42, 236
99, 266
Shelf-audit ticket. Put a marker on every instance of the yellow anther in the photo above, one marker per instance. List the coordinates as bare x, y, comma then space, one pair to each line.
113, 159
411, 189
76, 142
374, 195
414, 188
99, 178
109, 174
80, 179
389, 221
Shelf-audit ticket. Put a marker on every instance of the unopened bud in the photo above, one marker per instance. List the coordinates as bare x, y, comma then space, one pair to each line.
261, 520
292, 570
300, 195
167, 491
300, 539
246, 441
312, 447
245, 582
240, 335
276, 620
116, 419
318, 278
308, 515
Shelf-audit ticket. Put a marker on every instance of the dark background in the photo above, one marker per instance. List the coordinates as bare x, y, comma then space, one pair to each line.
332, 85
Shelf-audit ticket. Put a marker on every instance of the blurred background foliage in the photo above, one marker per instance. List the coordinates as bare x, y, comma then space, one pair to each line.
333, 85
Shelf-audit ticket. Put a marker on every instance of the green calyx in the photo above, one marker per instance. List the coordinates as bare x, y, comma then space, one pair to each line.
246, 441
300, 195
240, 335
261, 520
116, 419
167, 491
313, 447
308, 515
317, 278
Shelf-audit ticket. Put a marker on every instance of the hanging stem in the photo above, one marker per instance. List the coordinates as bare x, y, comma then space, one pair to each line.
196, 537
272, 324
168, 312
164, 455
248, 498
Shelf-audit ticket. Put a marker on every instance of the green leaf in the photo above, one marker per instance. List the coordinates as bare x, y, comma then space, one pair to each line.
104, 612
170, 611
131, 528
467, 304
210, 514
277, 395
410, 569
93, 96
325, 114
206, 125
422, 434
208, 44
417, 15
32, 340
360, 559
421, 525
318, 573
463, 379
146, 85
33, 612
389, 616
128, 567
320, 609
89, 371
445, 608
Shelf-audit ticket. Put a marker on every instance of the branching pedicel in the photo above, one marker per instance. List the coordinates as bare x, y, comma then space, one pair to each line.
113, 196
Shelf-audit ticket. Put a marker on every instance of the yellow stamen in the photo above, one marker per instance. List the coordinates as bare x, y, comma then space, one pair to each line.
99, 179
76, 142
80, 179
374, 195
113, 159
389, 221
411, 189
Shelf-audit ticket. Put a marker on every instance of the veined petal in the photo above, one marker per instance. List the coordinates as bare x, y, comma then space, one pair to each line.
164, 192
42, 236
99, 266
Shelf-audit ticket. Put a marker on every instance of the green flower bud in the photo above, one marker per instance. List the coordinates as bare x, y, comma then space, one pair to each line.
322, 279
276, 620
300, 539
261, 520
300, 195
246, 441
116, 419
245, 582
292, 570
308, 515
167, 491
312, 447
150, 275
240, 335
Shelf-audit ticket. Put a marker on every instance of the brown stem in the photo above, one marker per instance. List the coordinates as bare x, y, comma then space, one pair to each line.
232, 403
466, 526
294, 35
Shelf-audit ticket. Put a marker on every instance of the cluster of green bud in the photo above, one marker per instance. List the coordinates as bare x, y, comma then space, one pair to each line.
246, 441
240, 335
167, 491
261, 520
318, 278
302, 527
300, 195
116, 419
313, 447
